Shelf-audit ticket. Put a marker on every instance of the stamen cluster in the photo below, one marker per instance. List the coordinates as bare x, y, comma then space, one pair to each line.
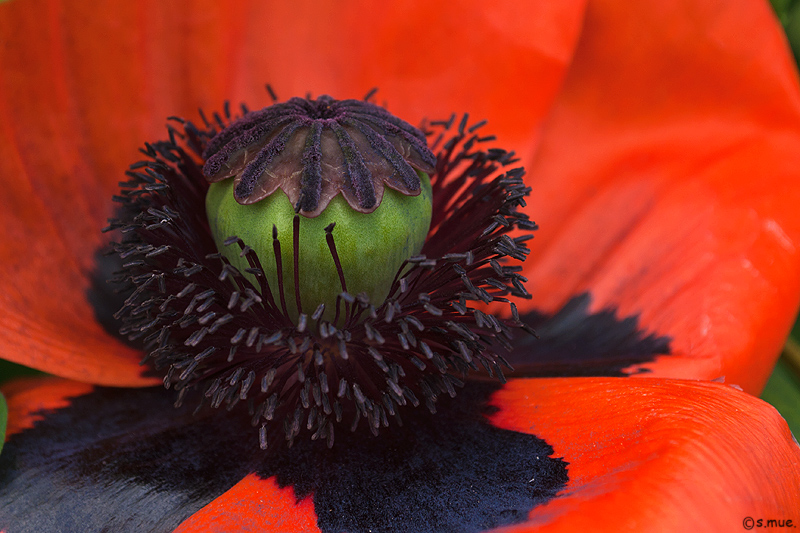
218, 337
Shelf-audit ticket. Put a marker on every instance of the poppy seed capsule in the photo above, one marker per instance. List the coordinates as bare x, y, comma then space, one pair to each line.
345, 165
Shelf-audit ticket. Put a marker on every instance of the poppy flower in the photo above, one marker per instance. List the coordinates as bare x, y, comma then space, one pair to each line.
660, 144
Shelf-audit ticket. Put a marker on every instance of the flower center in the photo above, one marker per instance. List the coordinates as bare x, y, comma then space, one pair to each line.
322, 109
223, 333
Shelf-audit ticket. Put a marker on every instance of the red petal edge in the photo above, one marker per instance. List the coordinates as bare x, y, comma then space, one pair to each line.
656, 454
256, 505
27, 397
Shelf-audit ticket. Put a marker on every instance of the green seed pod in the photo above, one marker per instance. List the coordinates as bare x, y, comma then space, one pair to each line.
371, 247
348, 165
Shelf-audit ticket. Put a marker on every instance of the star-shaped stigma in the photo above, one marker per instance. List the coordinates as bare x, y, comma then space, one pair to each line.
315, 149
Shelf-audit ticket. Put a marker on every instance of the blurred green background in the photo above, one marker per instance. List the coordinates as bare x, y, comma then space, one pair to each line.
783, 388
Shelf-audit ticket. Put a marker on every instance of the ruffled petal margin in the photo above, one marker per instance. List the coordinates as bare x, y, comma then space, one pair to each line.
100, 78
666, 184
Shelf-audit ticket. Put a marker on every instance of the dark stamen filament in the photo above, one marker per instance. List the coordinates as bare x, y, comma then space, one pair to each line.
296, 250
339, 270
276, 247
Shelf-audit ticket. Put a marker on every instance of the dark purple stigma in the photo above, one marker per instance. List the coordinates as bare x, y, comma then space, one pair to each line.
314, 149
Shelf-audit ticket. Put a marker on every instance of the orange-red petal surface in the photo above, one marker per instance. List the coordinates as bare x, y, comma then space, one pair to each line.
656, 455
83, 84
256, 505
28, 397
648, 454
666, 184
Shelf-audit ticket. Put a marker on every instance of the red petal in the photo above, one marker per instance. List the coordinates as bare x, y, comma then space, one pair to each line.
84, 85
666, 184
254, 504
678, 454
656, 454
28, 398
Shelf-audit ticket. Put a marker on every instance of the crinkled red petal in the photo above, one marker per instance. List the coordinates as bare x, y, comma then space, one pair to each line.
656, 454
83, 85
666, 184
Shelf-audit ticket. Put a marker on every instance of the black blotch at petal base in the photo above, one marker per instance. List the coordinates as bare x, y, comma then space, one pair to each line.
126, 460
104, 297
448, 472
575, 342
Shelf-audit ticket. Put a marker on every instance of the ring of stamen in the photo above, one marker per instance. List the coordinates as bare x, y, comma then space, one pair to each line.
225, 341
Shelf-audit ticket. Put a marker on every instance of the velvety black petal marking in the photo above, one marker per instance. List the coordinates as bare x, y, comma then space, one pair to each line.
576, 342
104, 298
126, 460
114, 460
